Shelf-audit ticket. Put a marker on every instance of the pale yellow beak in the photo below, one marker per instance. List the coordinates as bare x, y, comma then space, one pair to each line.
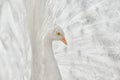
64, 41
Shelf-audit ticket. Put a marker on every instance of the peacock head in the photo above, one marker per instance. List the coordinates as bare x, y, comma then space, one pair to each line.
59, 34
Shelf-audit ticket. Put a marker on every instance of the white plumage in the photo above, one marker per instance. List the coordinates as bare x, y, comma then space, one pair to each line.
44, 64
91, 27
43, 32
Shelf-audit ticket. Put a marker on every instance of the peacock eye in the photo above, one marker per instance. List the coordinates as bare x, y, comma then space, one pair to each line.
58, 33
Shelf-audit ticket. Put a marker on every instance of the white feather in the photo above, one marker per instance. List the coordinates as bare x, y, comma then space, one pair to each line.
92, 29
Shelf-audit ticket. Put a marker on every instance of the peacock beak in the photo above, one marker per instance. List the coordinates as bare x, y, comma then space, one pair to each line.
64, 41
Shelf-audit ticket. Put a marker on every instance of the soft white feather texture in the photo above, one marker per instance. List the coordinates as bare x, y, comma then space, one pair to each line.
92, 28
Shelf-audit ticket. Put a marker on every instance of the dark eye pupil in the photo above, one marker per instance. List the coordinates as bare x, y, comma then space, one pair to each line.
58, 33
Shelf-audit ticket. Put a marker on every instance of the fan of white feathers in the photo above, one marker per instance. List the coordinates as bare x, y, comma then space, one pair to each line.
91, 28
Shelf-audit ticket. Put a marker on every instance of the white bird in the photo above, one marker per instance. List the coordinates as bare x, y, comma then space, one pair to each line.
21, 36
47, 68
43, 32
51, 69
27, 31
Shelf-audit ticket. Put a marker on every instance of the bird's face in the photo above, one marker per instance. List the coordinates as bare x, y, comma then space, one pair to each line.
59, 35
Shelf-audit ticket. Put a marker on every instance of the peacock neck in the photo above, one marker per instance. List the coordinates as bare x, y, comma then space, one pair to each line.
44, 63
48, 51
50, 64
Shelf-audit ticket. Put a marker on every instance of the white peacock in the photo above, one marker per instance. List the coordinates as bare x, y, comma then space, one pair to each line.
50, 66
46, 68
43, 33
27, 30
